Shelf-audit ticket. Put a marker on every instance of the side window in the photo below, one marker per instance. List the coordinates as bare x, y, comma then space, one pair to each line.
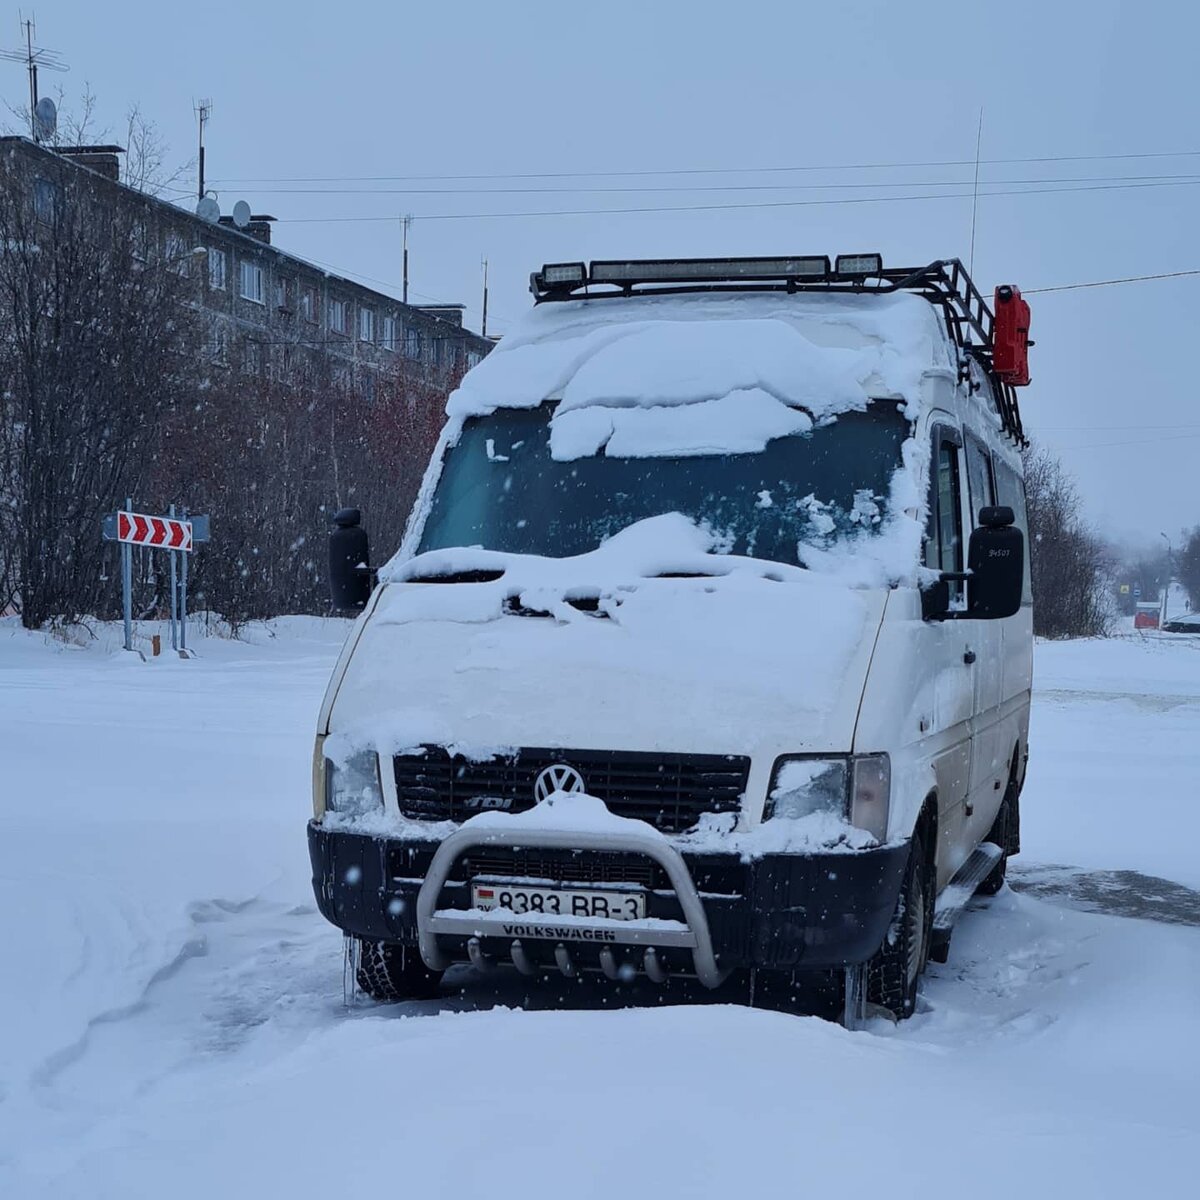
943, 537
979, 475
1010, 490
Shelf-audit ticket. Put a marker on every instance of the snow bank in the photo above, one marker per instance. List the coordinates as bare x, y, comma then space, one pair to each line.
171, 1000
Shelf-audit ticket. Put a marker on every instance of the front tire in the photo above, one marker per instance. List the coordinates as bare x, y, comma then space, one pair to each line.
389, 972
894, 974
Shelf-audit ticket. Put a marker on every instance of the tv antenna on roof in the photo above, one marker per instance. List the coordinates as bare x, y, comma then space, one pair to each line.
41, 126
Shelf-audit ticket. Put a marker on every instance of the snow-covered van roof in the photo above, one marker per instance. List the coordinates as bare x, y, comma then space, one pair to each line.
751, 367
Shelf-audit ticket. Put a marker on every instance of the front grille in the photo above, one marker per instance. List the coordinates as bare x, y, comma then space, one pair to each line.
564, 866
669, 791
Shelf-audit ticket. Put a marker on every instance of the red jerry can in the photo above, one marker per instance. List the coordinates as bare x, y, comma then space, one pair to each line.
1010, 336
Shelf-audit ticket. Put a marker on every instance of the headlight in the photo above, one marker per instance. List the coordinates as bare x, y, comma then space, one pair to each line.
803, 786
352, 786
856, 789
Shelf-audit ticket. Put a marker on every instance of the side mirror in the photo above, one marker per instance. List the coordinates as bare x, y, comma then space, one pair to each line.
935, 601
996, 565
349, 554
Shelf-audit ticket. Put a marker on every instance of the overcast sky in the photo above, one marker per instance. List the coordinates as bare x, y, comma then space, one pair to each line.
342, 92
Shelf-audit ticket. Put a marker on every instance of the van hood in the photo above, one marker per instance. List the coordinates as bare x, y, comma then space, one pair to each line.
649, 643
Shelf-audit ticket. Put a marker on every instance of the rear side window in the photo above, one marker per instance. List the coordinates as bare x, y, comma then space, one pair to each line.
1010, 491
979, 475
944, 543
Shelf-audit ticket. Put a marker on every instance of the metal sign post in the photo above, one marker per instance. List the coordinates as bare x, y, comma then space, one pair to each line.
183, 561
127, 585
174, 592
174, 535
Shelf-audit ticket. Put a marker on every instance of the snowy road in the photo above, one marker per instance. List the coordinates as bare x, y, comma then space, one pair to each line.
171, 1016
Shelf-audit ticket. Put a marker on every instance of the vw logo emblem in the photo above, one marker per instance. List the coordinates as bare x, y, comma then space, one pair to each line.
558, 778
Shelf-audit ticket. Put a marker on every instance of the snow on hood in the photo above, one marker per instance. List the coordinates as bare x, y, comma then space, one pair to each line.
757, 362
666, 648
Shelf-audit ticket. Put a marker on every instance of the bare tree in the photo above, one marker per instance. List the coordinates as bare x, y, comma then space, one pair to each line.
1189, 567
1069, 565
96, 349
273, 452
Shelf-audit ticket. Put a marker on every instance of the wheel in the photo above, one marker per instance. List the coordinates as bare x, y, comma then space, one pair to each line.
390, 972
1002, 834
895, 971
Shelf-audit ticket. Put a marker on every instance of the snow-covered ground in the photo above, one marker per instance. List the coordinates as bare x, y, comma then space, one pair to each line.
171, 1018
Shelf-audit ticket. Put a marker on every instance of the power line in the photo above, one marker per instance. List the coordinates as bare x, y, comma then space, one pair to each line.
1139, 442
644, 173
726, 207
1071, 287
721, 187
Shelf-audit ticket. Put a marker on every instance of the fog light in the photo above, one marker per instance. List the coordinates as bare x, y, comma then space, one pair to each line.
859, 266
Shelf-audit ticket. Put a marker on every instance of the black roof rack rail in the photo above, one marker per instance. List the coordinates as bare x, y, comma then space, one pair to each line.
943, 282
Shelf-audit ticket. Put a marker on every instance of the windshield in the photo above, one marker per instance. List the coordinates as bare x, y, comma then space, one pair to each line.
500, 488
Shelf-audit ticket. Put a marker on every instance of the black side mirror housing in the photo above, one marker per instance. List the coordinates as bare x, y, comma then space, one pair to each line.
349, 555
996, 562
995, 575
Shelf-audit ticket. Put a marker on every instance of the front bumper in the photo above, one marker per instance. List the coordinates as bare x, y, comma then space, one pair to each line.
779, 911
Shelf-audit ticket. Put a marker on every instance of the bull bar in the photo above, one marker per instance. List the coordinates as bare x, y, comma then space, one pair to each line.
432, 922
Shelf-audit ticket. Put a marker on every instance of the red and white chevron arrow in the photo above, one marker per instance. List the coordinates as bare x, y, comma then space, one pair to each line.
165, 532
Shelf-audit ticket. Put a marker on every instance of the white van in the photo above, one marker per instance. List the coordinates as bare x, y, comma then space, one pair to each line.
687, 665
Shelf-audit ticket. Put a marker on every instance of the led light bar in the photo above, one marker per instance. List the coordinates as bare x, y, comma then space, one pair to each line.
692, 270
858, 266
556, 275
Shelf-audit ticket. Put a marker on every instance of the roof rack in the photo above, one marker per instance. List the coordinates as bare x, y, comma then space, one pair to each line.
944, 282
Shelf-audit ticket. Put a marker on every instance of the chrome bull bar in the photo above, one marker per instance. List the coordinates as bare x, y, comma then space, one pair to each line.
696, 936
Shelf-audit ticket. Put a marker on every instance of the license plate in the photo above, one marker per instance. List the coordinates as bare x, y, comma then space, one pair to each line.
558, 902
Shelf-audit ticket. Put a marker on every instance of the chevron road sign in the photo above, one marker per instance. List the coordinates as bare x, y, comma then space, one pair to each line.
176, 535
139, 530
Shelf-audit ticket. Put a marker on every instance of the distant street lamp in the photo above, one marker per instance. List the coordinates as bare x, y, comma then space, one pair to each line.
1162, 612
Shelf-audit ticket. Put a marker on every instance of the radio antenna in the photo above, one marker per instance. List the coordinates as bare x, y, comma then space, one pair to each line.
203, 112
975, 195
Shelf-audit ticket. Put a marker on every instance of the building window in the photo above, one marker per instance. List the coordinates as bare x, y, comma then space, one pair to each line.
474, 358
139, 241
216, 343
338, 322
308, 304
177, 253
216, 268
366, 324
47, 199
250, 281
412, 343
389, 333
252, 358
281, 295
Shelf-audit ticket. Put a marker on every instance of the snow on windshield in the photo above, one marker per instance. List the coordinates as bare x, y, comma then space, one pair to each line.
703, 377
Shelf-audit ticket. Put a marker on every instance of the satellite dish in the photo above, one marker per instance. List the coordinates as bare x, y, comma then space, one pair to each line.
208, 210
45, 119
241, 214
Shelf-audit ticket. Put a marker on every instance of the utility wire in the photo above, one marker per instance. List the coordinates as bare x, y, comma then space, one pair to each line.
953, 162
719, 187
1071, 287
726, 207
